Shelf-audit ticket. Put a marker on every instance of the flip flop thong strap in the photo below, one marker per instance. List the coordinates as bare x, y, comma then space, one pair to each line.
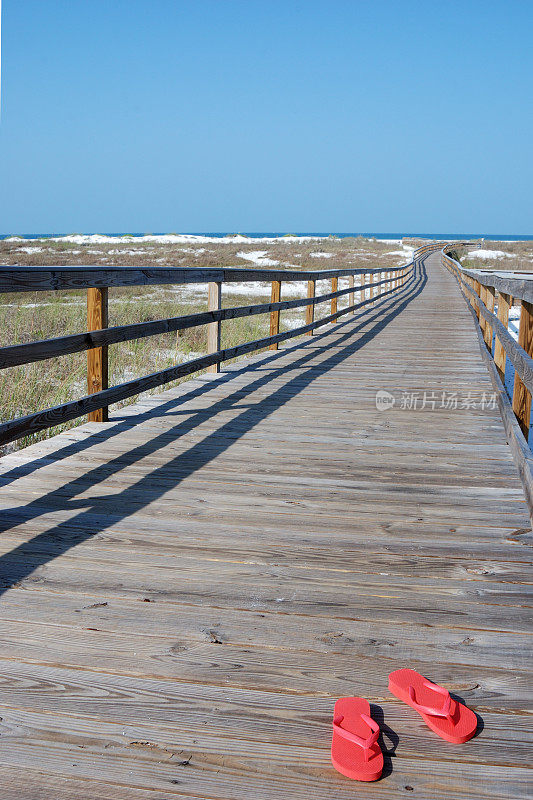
443, 711
366, 744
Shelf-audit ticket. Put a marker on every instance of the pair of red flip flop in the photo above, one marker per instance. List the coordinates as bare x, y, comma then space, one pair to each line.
355, 750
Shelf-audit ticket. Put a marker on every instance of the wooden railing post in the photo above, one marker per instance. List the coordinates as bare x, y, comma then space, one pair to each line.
489, 302
499, 350
477, 289
310, 309
482, 320
275, 297
97, 358
214, 303
372, 289
521, 396
351, 295
334, 300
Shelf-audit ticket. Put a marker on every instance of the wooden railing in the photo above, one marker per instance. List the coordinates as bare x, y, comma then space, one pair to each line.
380, 284
435, 247
428, 248
485, 293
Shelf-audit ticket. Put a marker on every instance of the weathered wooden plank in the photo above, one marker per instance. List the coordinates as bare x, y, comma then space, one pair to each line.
286, 591
203, 623
468, 546
508, 513
448, 557
229, 721
226, 719
36, 783
211, 658
175, 771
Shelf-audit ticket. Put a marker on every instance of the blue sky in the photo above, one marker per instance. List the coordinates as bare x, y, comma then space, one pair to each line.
266, 115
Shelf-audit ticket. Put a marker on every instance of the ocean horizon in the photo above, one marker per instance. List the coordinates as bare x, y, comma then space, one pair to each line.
280, 234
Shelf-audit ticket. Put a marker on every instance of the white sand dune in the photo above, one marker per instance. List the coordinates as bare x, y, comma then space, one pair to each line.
489, 254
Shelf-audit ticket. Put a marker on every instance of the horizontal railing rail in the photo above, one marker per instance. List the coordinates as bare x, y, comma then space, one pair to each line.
375, 285
44, 279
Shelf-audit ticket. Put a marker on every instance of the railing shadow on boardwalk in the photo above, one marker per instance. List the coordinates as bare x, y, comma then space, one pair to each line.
98, 513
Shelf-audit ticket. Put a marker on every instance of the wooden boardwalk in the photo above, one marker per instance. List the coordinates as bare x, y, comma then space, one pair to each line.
186, 590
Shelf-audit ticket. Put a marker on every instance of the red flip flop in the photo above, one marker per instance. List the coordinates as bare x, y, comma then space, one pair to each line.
355, 751
450, 719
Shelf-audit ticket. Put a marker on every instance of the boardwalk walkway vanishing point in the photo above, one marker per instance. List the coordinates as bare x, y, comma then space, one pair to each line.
187, 589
